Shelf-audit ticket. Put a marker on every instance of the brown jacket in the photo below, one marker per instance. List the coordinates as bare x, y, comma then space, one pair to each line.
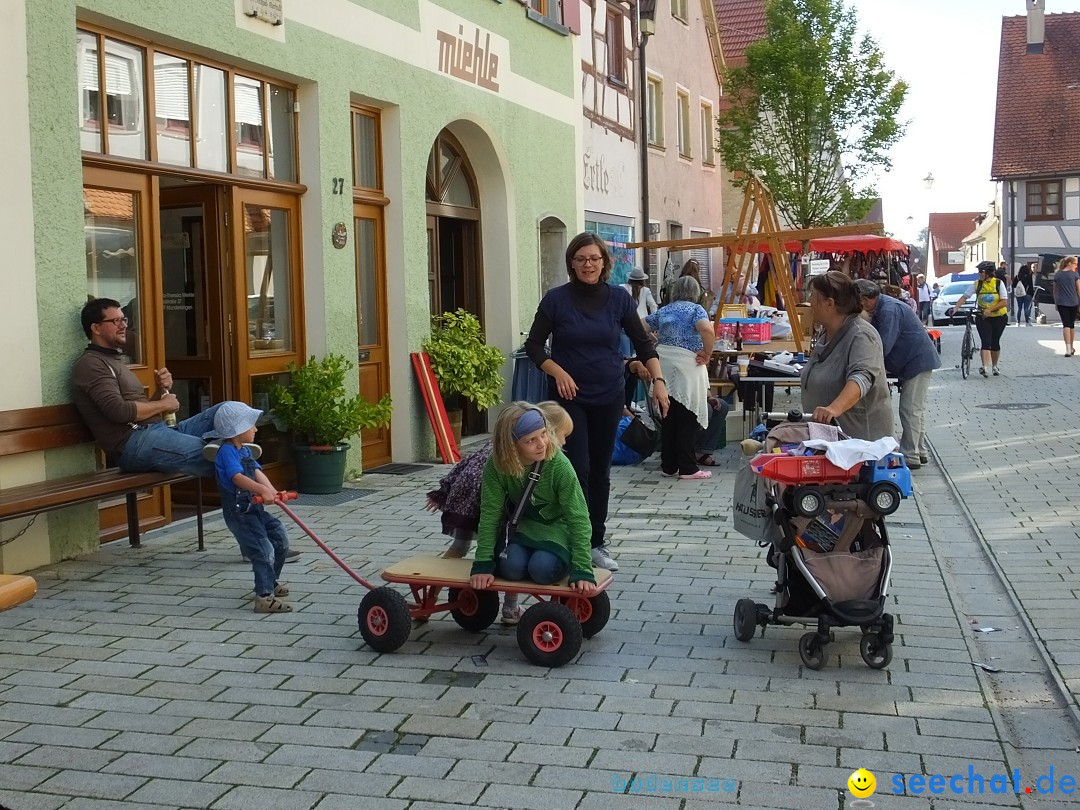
105, 392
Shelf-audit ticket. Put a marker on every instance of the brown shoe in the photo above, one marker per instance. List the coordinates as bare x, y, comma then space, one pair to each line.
271, 604
281, 589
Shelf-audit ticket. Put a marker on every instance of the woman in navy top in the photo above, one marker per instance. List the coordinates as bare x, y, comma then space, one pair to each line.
584, 319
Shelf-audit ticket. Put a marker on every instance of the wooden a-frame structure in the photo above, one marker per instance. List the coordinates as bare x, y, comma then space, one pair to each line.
759, 226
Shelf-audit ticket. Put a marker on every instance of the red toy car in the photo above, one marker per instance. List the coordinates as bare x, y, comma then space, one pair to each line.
882, 484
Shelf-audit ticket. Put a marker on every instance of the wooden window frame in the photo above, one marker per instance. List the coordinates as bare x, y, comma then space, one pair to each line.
1042, 189
363, 194
683, 130
708, 145
654, 97
615, 47
149, 48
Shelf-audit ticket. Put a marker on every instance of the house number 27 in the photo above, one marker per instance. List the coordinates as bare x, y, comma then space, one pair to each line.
339, 186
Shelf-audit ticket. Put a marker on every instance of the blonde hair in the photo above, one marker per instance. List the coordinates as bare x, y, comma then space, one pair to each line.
1068, 261
504, 452
557, 417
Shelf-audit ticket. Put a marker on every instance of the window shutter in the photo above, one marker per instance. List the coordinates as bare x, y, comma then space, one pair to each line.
571, 15
703, 256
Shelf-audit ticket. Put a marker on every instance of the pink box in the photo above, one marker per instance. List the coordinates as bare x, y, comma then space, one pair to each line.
756, 330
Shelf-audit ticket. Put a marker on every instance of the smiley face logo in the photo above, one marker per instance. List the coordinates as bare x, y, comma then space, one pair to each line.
862, 783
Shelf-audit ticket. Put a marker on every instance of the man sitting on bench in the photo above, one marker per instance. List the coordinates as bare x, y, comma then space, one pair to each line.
126, 424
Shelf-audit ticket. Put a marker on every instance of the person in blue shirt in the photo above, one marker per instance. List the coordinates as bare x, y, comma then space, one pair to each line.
910, 356
261, 536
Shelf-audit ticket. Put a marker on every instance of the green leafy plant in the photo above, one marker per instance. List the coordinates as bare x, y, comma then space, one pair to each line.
463, 363
316, 407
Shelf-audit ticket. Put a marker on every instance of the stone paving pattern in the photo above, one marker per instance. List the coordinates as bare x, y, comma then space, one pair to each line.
142, 679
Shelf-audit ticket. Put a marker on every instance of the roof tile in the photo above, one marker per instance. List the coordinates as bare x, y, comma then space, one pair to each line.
1038, 100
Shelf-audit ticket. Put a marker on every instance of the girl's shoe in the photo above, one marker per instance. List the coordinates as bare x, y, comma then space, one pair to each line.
996, 372
700, 475
271, 604
512, 615
982, 370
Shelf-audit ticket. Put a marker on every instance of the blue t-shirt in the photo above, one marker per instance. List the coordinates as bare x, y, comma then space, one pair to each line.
676, 324
231, 460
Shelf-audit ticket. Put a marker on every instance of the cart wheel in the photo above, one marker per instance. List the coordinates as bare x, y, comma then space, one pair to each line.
866, 629
384, 619
808, 502
549, 634
811, 653
478, 608
884, 498
593, 611
875, 654
745, 619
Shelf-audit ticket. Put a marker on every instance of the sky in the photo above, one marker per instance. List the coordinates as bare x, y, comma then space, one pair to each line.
947, 52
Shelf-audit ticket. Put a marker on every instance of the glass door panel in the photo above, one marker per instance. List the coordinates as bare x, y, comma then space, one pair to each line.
268, 274
114, 253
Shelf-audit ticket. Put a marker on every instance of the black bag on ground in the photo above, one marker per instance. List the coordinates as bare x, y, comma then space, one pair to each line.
639, 438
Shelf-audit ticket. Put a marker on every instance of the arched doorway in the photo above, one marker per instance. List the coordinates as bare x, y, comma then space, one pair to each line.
455, 267
552, 253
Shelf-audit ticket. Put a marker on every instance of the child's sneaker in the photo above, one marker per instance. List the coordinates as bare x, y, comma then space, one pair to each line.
512, 615
271, 604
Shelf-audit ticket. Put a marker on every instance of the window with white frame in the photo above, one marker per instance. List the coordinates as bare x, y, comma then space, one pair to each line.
707, 145
655, 101
682, 117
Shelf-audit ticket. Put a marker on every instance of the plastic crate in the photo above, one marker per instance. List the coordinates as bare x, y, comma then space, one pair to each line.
725, 328
756, 330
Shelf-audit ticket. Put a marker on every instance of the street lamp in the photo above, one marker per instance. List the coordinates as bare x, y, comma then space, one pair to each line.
646, 25
928, 181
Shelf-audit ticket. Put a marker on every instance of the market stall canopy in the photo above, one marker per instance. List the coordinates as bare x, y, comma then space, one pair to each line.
843, 244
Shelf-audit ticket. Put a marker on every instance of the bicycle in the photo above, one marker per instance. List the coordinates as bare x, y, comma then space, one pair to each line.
967, 345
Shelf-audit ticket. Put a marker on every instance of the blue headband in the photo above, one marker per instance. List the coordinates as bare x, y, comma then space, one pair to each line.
529, 422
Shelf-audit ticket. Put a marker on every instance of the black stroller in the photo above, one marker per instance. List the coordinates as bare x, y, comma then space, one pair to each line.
832, 569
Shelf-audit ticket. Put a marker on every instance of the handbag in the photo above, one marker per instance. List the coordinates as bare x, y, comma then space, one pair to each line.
512, 512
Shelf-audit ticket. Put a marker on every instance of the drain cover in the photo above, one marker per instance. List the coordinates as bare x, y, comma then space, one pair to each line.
1015, 406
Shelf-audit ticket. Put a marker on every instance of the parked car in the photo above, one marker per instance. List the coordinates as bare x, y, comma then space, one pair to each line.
1044, 279
948, 296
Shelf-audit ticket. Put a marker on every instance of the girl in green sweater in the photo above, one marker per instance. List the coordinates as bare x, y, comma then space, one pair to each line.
553, 538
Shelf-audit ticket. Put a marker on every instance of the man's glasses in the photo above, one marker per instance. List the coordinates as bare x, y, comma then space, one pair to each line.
583, 260
115, 321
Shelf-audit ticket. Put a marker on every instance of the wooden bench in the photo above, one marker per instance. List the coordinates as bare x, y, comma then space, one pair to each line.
54, 426
16, 589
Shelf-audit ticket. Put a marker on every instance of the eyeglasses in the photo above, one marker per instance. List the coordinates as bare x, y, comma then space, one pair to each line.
583, 260
115, 321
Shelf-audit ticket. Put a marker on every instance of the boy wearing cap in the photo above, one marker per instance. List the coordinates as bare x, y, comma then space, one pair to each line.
261, 536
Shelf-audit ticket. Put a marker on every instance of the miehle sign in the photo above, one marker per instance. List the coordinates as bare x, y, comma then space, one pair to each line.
470, 60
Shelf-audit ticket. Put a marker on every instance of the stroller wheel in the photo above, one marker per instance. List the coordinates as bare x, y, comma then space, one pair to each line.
808, 502
745, 619
875, 654
811, 653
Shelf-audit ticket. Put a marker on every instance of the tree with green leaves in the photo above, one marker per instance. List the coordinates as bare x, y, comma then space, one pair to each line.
814, 111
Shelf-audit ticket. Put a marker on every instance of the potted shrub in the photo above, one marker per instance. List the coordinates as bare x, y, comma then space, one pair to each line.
321, 416
463, 363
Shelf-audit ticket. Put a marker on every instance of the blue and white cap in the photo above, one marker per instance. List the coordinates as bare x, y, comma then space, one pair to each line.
232, 419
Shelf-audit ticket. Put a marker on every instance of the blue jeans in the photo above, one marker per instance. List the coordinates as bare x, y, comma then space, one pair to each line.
157, 448
1023, 308
521, 563
261, 537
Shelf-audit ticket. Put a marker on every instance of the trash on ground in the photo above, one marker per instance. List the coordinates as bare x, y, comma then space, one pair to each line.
987, 667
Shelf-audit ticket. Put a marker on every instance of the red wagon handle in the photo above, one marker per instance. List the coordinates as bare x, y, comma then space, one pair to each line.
292, 496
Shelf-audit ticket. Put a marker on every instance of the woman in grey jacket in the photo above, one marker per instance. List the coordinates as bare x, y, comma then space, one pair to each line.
844, 378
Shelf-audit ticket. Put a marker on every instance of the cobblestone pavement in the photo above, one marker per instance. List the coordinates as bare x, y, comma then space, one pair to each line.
142, 679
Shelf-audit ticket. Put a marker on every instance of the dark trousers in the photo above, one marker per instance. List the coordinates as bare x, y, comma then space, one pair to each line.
677, 439
589, 448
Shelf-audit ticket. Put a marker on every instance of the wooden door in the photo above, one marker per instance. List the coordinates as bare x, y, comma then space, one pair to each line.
122, 257
264, 327
194, 300
373, 356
